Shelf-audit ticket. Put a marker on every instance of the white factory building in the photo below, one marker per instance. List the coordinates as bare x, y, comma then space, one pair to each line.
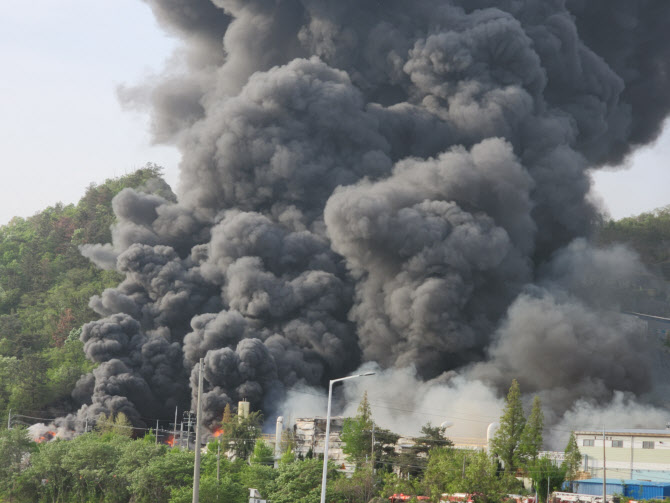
629, 454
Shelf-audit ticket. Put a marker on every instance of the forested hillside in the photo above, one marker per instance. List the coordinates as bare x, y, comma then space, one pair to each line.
647, 233
45, 286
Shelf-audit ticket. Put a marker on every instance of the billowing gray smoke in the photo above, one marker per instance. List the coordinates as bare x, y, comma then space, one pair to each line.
398, 182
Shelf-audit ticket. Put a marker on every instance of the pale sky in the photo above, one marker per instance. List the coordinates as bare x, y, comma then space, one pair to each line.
62, 128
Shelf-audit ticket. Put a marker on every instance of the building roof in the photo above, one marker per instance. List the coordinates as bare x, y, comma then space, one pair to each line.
648, 317
628, 431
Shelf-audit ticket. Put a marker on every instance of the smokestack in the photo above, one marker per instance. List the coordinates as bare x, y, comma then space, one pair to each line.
490, 434
243, 409
278, 436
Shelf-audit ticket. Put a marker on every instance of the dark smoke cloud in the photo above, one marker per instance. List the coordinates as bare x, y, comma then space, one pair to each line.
434, 277
403, 182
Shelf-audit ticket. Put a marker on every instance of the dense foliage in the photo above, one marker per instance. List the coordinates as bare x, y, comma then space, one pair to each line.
647, 233
108, 465
45, 287
506, 442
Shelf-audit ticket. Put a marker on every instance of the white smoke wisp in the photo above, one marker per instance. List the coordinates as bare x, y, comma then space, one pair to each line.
623, 411
303, 401
402, 402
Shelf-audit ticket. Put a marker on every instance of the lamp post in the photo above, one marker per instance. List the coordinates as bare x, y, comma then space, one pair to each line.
325, 446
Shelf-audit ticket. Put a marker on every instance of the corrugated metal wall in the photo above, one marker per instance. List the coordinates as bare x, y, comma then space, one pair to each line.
635, 489
595, 487
645, 492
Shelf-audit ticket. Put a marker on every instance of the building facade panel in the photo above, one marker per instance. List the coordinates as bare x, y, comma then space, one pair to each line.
629, 454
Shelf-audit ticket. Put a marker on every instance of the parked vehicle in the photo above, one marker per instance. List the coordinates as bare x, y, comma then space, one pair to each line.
396, 498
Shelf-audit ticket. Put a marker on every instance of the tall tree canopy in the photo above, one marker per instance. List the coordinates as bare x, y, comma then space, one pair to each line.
506, 441
573, 459
531, 437
357, 433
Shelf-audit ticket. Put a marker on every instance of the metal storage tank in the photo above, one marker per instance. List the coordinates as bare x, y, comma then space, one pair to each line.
636, 489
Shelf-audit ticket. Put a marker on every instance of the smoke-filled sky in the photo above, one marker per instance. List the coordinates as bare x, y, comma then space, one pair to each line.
63, 128
389, 185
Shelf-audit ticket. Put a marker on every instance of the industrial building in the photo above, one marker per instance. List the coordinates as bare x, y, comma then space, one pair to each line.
634, 489
310, 434
629, 454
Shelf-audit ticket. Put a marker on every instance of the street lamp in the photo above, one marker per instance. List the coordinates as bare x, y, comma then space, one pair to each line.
325, 446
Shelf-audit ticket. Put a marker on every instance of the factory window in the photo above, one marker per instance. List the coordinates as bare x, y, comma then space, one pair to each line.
588, 442
617, 443
648, 445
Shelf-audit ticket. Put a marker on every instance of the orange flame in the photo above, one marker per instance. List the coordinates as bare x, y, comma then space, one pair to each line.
170, 441
218, 432
49, 435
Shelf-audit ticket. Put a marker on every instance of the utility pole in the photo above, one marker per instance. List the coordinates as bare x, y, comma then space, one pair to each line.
174, 432
86, 425
372, 454
156, 431
181, 435
548, 486
198, 419
604, 471
187, 416
9, 420
218, 459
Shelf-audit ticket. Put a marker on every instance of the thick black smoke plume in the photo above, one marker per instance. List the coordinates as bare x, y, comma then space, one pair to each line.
389, 181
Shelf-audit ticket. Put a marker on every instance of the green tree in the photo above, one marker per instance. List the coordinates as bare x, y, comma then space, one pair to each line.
90, 463
240, 434
433, 436
7, 367
572, 462
384, 448
46, 285
531, 440
413, 459
482, 479
226, 490
360, 488
154, 482
66, 364
546, 476
116, 424
134, 456
47, 476
300, 482
287, 457
287, 440
357, 433
445, 471
261, 477
228, 418
392, 484
505, 443
30, 390
15, 445
263, 453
